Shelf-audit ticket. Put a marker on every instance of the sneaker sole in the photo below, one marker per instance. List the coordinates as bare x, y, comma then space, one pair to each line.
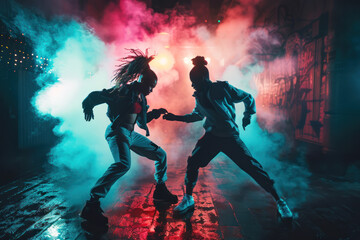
192, 207
94, 230
92, 220
163, 200
285, 219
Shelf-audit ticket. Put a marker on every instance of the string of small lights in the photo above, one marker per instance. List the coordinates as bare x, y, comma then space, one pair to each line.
17, 53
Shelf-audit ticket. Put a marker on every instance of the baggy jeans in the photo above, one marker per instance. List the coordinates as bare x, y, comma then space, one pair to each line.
121, 141
209, 146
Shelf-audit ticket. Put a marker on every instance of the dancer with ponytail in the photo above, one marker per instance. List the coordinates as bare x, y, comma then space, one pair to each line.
215, 101
126, 106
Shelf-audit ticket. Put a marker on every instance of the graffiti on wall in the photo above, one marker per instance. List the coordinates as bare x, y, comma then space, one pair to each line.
293, 86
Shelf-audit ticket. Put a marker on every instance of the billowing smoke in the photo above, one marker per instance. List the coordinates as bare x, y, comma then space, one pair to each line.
84, 49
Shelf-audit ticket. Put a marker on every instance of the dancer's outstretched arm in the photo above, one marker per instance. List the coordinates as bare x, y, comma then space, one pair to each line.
155, 114
93, 99
191, 117
238, 95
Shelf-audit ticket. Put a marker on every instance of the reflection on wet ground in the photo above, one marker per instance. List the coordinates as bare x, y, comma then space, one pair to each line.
226, 208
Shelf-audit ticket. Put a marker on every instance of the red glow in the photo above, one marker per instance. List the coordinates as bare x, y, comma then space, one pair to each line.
129, 24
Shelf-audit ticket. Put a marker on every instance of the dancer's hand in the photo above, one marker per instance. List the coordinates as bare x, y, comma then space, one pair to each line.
162, 110
245, 121
158, 112
89, 114
169, 117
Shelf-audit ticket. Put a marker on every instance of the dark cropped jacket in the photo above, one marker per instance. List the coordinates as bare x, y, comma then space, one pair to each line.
120, 102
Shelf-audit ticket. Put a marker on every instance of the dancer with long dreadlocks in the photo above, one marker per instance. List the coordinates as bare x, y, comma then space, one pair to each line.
126, 106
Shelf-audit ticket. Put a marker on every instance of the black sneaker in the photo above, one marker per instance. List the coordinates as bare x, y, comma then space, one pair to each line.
162, 194
93, 213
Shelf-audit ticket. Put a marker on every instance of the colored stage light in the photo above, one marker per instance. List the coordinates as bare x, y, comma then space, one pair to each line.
164, 61
187, 60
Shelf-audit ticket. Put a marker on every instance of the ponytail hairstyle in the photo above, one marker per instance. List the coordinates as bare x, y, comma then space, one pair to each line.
132, 66
199, 71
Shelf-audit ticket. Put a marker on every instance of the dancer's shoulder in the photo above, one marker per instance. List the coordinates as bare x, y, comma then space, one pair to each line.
218, 88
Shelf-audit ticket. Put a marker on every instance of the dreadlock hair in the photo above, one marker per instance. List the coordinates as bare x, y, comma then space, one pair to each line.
132, 67
199, 70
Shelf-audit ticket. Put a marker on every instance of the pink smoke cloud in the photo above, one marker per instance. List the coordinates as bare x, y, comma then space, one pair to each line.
176, 38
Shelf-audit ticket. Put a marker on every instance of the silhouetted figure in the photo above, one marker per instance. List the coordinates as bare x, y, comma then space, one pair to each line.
215, 101
126, 106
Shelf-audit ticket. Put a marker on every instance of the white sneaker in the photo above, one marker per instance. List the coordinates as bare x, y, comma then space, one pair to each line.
284, 210
186, 203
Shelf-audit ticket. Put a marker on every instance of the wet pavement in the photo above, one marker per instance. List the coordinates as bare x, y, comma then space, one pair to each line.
35, 208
